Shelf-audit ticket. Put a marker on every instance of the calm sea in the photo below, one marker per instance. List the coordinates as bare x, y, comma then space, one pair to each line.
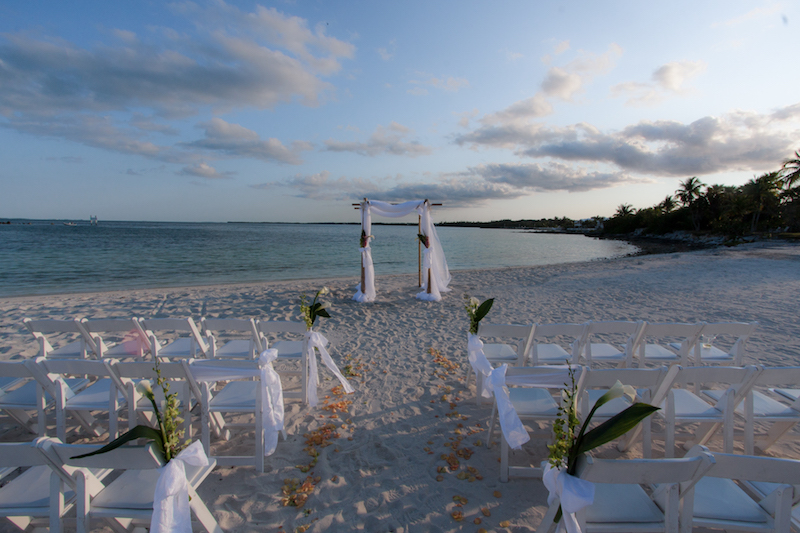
48, 257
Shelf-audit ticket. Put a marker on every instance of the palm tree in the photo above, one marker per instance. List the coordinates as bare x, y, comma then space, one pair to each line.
790, 172
689, 190
762, 191
624, 210
668, 204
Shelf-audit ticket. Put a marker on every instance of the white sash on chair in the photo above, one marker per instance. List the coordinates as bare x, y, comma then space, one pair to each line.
316, 340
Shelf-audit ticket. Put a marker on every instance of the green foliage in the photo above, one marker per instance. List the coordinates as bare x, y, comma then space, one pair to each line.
476, 311
315, 309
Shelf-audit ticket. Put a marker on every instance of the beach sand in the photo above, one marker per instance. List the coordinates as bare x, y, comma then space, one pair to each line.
380, 475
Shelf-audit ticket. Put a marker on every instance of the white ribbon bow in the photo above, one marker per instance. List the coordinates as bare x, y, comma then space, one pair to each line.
171, 499
574, 494
271, 400
480, 364
317, 340
514, 432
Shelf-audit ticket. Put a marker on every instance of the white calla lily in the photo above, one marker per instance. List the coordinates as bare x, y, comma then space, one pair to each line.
144, 387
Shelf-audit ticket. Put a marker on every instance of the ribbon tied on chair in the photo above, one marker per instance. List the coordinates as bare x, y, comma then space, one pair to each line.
316, 340
171, 499
514, 432
574, 494
271, 400
480, 364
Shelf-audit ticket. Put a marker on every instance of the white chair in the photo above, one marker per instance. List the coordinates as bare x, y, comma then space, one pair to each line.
101, 395
553, 353
710, 351
683, 406
621, 504
272, 334
533, 404
246, 345
768, 409
500, 352
128, 500
240, 395
651, 386
116, 337
37, 497
191, 345
761, 501
625, 333
76, 345
667, 343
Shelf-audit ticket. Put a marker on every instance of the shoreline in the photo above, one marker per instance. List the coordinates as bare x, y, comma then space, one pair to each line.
381, 473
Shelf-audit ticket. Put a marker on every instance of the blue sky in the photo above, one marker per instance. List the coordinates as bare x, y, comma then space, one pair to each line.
291, 111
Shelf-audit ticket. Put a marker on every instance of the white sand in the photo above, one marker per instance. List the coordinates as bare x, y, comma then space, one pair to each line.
383, 479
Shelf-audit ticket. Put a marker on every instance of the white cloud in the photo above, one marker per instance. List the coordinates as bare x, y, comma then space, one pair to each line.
449, 84
384, 140
753, 14
204, 170
668, 80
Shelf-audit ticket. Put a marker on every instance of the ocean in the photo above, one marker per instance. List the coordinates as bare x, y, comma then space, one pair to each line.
49, 257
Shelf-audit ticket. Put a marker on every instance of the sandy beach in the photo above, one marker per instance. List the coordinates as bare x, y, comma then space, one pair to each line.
380, 474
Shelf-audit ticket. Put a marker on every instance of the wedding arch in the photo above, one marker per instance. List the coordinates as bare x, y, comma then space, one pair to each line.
436, 277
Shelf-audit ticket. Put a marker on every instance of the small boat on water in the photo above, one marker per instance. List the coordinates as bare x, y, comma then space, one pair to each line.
70, 224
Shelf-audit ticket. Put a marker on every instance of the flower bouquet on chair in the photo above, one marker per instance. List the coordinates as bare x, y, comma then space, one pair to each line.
571, 442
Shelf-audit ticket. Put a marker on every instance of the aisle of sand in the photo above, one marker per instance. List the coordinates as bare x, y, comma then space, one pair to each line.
381, 473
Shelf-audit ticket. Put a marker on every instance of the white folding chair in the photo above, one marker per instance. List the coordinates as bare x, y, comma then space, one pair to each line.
101, 395
683, 406
621, 503
501, 352
37, 497
245, 345
723, 343
761, 501
76, 344
28, 396
192, 345
272, 334
533, 403
625, 334
116, 337
554, 353
667, 343
128, 500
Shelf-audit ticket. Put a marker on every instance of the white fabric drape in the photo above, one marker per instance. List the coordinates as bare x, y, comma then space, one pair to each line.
433, 257
315, 340
171, 512
272, 407
574, 493
480, 364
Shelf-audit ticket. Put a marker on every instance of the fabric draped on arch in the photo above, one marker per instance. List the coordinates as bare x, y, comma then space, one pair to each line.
433, 256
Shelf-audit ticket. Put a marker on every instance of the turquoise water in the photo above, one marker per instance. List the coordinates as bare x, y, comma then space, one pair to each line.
46, 257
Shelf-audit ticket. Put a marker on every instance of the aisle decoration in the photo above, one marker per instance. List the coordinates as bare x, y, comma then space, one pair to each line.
315, 340
476, 311
568, 445
171, 497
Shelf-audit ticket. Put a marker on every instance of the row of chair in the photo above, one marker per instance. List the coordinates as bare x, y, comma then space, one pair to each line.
137, 337
55, 482
86, 389
621, 343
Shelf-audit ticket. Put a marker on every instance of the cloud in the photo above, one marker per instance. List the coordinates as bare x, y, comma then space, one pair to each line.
668, 80
233, 140
387, 53
552, 177
65, 159
204, 170
384, 140
449, 84
753, 14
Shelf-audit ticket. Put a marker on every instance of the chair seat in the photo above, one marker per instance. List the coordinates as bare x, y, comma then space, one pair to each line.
25, 397
764, 407
722, 499
235, 396
792, 394
533, 401
288, 349
712, 353
73, 349
660, 353
500, 352
238, 348
180, 348
95, 396
689, 405
131, 348
133, 489
605, 351
552, 352
627, 504
30, 490
609, 409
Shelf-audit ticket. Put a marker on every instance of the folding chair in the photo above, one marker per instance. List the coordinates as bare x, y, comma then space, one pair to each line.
553, 353
761, 501
128, 499
500, 352
77, 345
220, 330
191, 346
126, 339
621, 504
605, 351
291, 349
710, 351
667, 343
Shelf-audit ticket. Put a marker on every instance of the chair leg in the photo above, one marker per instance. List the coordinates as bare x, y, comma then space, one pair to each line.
202, 513
669, 438
778, 430
503, 459
491, 427
56, 502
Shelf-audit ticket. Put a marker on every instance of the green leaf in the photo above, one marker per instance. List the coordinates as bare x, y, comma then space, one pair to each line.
614, 427
323, 313
139, 432
483, 309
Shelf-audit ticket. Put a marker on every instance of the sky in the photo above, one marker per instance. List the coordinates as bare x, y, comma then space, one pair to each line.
292, 111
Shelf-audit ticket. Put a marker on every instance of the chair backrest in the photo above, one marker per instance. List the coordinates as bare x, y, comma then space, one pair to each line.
736, 334
215, 328
173, 371
572, 333
685, 470
648, 378
281, 326
523, 334
685, 334
128, 328
40, 328
179, 325
75, 367
554, 377
146, 457
740, 379
755, 468
629, 330
14, 369
14, 454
